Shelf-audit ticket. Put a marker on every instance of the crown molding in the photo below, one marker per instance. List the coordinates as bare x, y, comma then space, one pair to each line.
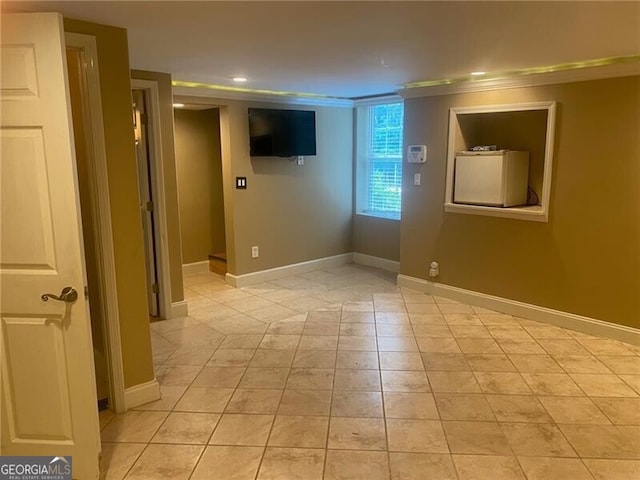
525, 79
575, 72
377, 100
289, 98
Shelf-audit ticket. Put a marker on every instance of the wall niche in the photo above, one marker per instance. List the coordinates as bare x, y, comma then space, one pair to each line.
526, 127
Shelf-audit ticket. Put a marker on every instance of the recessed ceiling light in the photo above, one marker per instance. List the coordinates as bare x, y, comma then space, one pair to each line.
239, 79
178, 105
478, 74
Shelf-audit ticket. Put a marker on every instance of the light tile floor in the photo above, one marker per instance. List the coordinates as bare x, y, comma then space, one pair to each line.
339, 374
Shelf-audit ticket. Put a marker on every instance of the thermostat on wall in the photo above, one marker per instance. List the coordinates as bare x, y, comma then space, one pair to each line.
416, 153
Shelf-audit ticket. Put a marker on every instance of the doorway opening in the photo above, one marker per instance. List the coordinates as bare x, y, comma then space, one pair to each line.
200, 188
147, 195
95, 212
147, 120
88, 209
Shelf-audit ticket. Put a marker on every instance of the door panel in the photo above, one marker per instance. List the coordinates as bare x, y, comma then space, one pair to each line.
18, 71
43, 408
28, 244
48, 387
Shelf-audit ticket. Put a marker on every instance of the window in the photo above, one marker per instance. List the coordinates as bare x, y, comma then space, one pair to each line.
379, 151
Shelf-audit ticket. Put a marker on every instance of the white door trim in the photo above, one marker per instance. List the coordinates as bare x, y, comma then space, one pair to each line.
100, 188
159, 203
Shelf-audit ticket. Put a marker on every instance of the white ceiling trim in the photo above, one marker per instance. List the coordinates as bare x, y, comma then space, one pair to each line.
248, 96
377, 100
612, 70
548, 78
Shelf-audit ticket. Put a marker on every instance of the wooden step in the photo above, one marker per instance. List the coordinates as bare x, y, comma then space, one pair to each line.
218, 263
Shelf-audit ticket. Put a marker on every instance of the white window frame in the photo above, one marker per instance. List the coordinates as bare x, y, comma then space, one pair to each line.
363, 164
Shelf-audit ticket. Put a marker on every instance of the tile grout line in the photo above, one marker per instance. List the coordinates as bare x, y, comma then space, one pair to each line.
382, 392
171, 411
333, 382
275, 415
133, 464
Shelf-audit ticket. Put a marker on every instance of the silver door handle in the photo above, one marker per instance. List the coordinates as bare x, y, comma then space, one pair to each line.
68, 295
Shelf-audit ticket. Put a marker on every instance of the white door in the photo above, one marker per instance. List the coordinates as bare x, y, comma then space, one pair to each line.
48, 386
146, 198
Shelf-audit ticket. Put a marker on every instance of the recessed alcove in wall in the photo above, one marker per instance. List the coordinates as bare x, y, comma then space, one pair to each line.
524, 127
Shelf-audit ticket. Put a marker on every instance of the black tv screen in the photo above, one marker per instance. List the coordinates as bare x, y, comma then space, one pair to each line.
281, 133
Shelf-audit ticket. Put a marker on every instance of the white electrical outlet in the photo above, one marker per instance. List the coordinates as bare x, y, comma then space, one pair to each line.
434, 269
255, 252
300, 160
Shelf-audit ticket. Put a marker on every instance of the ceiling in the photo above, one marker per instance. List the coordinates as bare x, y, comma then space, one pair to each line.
355, 49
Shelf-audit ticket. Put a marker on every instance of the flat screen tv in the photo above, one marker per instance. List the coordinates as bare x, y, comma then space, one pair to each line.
281, 133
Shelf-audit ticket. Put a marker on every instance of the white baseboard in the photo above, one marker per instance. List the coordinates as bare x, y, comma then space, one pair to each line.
195, 268
141, 394
179, 309
254, 278
571, 321
377, 262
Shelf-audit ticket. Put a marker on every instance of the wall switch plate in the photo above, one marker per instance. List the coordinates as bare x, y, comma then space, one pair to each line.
300, 160
417, 179
255, 252
241, 182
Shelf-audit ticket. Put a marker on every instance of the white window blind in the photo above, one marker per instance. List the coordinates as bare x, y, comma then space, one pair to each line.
383, 157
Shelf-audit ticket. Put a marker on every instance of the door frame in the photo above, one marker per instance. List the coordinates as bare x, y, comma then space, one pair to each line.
152, 100
102, 219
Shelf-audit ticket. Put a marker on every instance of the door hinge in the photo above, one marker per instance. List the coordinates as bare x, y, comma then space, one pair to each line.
155, 288
86, 291
149, 206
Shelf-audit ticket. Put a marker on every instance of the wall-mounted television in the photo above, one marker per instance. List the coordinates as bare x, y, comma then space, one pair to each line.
281, 133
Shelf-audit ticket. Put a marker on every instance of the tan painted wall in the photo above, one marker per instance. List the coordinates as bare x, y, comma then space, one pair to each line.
169, 173
131, 287
378, 237
293, 213
585, 260
199, 165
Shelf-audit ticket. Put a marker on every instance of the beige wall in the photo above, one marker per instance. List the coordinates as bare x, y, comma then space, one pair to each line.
378, 237
585, 260
169, 173
199, 165
131, 287
293, 213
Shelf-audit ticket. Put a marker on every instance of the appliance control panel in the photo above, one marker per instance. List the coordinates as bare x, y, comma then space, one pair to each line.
416, 153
